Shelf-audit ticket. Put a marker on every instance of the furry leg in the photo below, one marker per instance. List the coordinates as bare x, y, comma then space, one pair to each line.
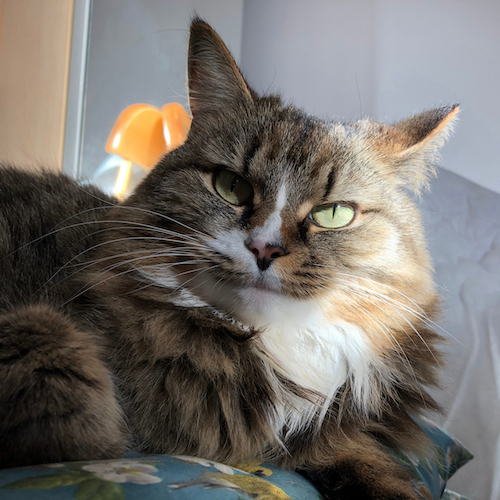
57, 400
363, 470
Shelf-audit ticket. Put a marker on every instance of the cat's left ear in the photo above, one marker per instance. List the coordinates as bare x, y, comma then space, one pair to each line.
410, 148
215, 82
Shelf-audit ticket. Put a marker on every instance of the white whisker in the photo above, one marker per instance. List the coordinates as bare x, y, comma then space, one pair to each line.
88, 288
420, 313
369, 294
86, 264
128, 224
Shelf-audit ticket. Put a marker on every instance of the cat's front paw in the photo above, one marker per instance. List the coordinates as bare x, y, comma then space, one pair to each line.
365, 492
56, 397
351, 480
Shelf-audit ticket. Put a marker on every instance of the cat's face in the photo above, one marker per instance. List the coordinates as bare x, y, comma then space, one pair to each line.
280, 210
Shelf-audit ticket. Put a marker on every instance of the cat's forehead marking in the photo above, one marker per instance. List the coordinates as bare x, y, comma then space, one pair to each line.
270, 231
281, 198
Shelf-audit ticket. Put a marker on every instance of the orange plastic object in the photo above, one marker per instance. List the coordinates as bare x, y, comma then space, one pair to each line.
142, 135
176, 124
138, 135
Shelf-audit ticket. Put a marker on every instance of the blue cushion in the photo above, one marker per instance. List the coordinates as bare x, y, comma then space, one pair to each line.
432, 474
178, 478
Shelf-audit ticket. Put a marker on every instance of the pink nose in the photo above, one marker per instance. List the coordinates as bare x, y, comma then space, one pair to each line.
265, 253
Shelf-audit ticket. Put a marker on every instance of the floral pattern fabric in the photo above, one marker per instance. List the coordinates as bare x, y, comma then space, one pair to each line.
182, 478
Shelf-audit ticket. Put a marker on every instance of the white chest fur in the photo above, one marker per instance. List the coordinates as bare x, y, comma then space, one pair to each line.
299, 343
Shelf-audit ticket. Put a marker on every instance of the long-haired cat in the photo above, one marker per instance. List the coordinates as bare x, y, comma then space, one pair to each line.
264, 294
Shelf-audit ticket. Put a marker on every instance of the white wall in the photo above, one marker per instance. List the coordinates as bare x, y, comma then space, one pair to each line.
317, 53
430, 52
388, 58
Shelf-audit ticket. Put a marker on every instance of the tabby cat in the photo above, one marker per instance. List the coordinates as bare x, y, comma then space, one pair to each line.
264, 294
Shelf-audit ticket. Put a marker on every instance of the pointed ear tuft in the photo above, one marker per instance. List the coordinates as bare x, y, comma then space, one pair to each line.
214, 80
409, 149
425, 127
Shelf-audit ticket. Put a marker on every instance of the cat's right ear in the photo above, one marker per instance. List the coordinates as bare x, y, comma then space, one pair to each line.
409, 148
214, 80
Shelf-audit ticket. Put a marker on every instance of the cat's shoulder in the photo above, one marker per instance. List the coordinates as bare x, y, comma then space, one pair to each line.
20, 182
38, 206
43, 191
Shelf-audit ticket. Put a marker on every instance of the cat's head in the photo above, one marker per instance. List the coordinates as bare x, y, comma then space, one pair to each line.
272, 212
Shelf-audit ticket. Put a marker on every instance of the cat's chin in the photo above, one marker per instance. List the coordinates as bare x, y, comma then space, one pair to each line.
262, 287
245, 293
261, 305
245, 301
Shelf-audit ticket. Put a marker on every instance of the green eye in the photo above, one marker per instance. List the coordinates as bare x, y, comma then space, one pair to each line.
333, 216
233, 188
